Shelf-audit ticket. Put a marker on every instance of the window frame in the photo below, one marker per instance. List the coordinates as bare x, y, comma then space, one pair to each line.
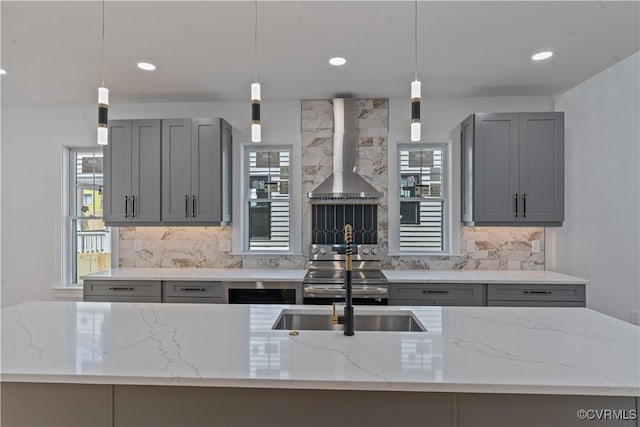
69, 239
241, 179
449, 226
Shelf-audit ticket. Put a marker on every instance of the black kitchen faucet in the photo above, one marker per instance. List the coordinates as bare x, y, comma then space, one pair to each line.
347, 320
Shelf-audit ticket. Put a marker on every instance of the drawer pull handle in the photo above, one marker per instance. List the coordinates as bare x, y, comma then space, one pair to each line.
121, 288
538, 292
435, 292
193, 289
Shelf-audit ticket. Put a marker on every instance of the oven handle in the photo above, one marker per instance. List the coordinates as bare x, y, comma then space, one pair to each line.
341, 292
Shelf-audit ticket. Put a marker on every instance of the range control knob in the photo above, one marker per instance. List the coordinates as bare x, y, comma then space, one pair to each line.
365, 251
315, 251
374, 251
323, 251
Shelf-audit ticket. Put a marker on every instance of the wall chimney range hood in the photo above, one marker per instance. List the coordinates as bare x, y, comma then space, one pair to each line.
344, 183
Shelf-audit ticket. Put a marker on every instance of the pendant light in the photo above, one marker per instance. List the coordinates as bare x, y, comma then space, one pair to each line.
415, 85
103, 99
255, 87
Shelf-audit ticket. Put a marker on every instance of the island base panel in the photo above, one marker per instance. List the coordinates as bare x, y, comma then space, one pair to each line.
68, 405
190, 406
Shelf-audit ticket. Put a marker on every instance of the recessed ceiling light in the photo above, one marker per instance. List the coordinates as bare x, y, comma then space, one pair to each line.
542, 55
3, 71
146, 66
337, 61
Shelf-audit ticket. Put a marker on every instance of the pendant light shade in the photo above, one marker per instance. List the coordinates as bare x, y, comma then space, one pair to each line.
103, 111
415, 110
256, 134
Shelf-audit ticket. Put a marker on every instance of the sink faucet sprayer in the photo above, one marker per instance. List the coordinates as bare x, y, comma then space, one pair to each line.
347, 319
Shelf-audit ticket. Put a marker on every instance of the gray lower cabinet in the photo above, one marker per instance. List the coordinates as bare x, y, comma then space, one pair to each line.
536, 295
513, 169
132, 172
192, 292
122, 291
196, 171
461, 294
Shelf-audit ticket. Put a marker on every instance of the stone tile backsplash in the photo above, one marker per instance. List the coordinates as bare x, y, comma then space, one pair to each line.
494, 248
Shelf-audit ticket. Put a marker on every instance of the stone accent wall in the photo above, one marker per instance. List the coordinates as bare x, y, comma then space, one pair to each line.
496, 248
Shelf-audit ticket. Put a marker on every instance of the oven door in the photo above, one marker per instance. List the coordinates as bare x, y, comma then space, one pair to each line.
320, 294
354, 301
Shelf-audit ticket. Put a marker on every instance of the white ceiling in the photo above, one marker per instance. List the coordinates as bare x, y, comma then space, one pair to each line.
204, 50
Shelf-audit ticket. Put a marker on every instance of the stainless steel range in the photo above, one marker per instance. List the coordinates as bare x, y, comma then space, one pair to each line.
324, 282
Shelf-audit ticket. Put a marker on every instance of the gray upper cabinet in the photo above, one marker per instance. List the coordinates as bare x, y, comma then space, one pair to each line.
132, 172
513, 169
196, 171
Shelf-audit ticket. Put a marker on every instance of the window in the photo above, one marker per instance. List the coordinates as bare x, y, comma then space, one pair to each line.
89, 239
423, 198
266, 199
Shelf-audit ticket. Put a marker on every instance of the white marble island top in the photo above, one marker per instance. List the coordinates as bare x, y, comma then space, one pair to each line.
466, 349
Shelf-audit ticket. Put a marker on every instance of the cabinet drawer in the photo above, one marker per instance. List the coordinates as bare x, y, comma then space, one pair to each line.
437, 294
131, 298
496, 303
122, 288
535, 292
190, 289
193, 300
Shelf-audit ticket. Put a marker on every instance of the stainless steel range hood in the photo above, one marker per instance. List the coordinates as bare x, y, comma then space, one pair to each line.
344, 183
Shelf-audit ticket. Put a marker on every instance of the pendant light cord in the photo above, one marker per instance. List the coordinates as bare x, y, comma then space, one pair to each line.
103, 43
255, 42
415, 37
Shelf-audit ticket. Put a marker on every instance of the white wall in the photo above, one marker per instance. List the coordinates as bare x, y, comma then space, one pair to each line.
33, 138
600, 239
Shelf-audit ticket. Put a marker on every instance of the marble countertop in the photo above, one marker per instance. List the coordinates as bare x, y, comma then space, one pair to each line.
481, 276
193, 274
282, 275
466, 349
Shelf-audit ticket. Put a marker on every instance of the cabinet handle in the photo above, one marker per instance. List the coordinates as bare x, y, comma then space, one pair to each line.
524, 204
435, 292
538, 292
121, 288
193, 289
133, 206
186, 206
126, 206
515, 202
193, 206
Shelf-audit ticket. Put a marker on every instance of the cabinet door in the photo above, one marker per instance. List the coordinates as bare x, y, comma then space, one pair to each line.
496, 167
542, 167
466, 152
145, 171
206, 174
226, 143
176, 170
117, 171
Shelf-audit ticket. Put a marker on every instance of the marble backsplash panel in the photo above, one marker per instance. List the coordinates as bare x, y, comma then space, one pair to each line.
494, 248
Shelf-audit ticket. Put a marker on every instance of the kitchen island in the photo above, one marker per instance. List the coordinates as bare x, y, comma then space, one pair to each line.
176, 364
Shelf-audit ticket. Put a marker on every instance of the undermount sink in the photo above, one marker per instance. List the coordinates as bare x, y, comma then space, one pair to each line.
393, 322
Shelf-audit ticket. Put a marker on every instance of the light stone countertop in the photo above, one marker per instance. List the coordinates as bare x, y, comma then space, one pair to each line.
194, 274
282, 275
572, 351
481, 276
